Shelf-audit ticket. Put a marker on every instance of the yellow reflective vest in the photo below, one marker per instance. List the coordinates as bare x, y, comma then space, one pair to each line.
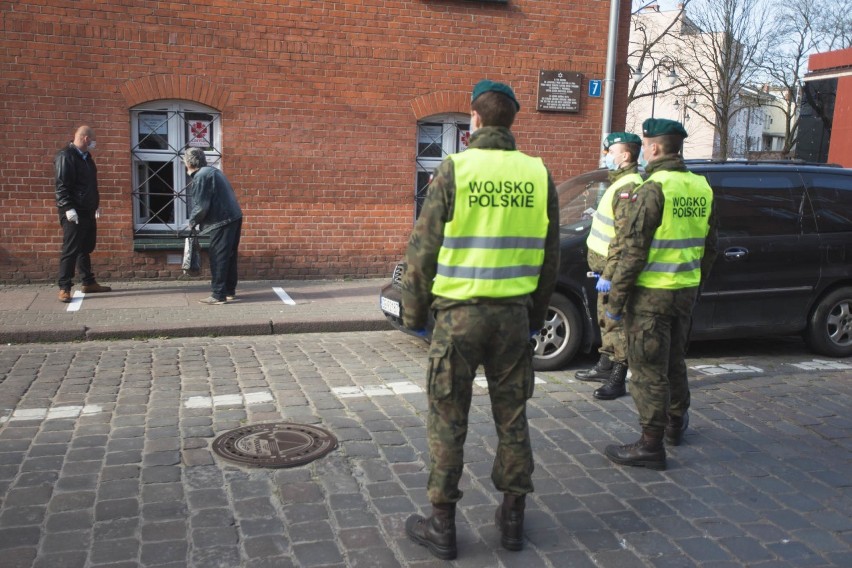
494, 245
674, 259
603, 223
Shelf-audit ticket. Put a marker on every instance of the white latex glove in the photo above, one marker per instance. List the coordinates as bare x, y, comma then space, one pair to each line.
98, 213
72, 216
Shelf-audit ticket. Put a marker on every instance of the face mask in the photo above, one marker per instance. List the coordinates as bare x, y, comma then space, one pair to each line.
609, 161
92, 145
642, 161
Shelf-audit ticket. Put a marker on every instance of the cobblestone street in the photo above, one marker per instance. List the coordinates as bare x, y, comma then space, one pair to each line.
105, 460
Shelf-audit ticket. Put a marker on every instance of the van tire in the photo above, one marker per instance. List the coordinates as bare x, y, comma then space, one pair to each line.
829, 330
559, 340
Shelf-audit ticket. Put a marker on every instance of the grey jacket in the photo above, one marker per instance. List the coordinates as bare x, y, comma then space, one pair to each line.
214, 203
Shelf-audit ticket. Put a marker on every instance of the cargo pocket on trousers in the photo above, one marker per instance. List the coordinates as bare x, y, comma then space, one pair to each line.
529, 371
440, 380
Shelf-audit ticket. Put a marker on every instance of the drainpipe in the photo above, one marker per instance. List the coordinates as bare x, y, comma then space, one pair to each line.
609, 81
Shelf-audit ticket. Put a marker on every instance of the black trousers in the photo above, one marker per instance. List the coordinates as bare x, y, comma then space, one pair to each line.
78, 242
224, 243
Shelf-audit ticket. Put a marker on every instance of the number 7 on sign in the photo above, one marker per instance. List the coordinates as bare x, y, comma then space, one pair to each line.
595, 88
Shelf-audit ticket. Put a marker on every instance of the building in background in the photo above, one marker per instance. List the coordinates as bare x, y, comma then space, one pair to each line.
825, 128
660, 86
328, 118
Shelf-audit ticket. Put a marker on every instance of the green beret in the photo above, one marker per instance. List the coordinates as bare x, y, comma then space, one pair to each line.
485, 85
662, 127
621, 138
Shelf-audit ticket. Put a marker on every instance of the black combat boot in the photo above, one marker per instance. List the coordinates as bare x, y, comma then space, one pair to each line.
676, 428
600, 372
614, 387
648, 452
510, 521
437, 533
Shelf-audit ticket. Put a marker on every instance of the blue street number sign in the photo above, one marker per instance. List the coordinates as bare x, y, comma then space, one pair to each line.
594, 87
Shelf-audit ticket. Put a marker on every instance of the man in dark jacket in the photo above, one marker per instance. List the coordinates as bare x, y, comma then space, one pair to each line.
216, 212
78, 200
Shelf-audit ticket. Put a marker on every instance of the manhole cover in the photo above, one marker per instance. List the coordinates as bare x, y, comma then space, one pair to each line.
275, 444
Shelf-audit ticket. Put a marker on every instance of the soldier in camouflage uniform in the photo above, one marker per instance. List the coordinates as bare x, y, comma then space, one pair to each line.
466, 261
669, 244
622, 153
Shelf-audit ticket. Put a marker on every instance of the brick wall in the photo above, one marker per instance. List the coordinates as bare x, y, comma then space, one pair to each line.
319, 104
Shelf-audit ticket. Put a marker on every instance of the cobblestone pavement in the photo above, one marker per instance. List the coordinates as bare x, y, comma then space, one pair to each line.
103, 461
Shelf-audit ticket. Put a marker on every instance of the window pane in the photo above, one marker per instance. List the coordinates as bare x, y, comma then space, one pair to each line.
199, 130
153, 131
463, 137
757, 205
429, 139
831, 196
423, 179
155, 193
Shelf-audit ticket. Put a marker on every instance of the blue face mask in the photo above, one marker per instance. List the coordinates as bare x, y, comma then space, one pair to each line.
609, 161
642, 161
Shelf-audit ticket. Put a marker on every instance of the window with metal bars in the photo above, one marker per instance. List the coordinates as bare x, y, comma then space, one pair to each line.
437, 137
161, 131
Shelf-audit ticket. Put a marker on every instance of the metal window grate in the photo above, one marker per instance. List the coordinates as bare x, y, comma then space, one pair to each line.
160, 199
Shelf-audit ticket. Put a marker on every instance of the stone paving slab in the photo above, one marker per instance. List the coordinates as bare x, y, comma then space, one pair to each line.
105, 460
151, 309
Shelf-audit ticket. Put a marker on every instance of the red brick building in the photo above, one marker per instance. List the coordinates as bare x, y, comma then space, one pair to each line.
828, 98
327, 117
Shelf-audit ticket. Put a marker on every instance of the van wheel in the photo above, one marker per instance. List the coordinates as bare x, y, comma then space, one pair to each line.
558, 341
829, 329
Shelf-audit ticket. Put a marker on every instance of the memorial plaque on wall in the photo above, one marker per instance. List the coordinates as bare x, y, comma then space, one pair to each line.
559, 91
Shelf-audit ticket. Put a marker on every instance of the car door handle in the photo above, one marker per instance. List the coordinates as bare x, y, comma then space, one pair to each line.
736, 253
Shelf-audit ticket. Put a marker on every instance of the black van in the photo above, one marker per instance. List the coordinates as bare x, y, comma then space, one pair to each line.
784, 264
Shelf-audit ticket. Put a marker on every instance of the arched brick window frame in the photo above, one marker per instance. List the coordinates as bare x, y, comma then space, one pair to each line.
169, 113
443, 127
158, 87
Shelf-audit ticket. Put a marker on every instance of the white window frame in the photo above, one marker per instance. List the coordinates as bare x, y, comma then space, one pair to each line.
174, 124
454, 133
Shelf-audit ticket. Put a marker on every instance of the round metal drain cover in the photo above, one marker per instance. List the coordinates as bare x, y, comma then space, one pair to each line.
275, 444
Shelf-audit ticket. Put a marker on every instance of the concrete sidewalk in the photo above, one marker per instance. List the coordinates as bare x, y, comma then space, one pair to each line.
144, 309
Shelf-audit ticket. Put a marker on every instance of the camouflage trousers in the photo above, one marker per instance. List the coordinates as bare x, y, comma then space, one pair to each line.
613, 341
497, 337
656, 355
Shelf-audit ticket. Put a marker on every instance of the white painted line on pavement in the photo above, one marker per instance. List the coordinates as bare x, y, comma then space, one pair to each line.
726, 369
76, 301
228, 400
397, 387
56, 412
283, 295
819, 365
482, 382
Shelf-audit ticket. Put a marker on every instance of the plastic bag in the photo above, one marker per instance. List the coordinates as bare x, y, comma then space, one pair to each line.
191, 255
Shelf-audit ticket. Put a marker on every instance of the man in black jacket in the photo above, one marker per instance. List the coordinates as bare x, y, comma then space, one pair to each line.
78, 200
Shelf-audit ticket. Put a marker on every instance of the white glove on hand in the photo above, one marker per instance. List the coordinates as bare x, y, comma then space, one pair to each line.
72, 216
98, 213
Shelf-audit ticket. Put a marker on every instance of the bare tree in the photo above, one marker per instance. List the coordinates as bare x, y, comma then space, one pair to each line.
645, 44
833, 25
795, 38
723, 43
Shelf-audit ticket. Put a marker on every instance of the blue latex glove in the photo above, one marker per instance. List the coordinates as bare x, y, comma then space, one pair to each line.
420, 333
603, 285
534, 333
613, 317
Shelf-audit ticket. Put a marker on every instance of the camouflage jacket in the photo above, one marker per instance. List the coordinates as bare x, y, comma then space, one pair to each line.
643, 215
606, 265
421, 257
